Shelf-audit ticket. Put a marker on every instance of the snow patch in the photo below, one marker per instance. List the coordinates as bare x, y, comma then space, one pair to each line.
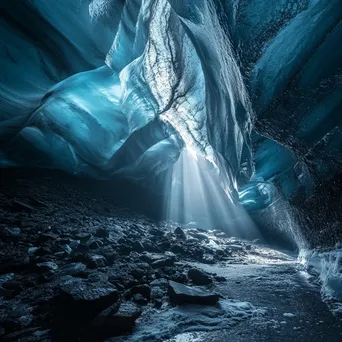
172, 321
328, 266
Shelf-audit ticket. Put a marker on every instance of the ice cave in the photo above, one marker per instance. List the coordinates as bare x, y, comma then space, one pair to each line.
170, 170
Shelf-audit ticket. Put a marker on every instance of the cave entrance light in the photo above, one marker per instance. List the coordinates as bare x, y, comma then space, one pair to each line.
197, 198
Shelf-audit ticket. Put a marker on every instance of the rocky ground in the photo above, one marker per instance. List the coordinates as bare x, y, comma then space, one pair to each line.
76, 267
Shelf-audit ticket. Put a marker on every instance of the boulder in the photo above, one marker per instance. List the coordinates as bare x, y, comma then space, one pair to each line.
180, 233
117, 319
86, 298
182, 294
198, 277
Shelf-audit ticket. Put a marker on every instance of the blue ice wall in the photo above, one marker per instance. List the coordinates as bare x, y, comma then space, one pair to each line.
109, 87
291, 58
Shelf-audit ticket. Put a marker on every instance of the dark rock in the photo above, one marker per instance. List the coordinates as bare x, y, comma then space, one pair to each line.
220, 279
164, 262
156, 232
20, 335
95, 244
164, 245
6, 277
137, 246
125, 249
117, 320
161, 282
96, 261
181, 294
102, 233
151, 247
83, 237
199, 277
13, 285
47, 236
157, 293
73, 269
74, 243
42, 251
13, 324
6, 293
21, 206
200, 236
139, 270
32, 250
140, 299
47, 266
180, 233
12, 233
144, 290
86, 298
67, 249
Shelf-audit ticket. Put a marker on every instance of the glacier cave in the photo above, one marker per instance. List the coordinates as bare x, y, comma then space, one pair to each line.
170, 170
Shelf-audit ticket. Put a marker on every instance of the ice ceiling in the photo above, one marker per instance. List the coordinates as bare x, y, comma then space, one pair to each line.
111, 87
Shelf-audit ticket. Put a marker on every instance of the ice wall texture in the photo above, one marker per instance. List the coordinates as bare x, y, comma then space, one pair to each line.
291, 58
110, 87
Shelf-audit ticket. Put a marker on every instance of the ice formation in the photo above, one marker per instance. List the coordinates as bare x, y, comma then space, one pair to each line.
110, 87
118, 88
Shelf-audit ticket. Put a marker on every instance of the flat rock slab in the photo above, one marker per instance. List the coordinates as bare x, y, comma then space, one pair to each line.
182, 294
86, 297
117, 319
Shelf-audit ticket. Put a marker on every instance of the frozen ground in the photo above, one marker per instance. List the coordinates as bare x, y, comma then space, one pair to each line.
269, 297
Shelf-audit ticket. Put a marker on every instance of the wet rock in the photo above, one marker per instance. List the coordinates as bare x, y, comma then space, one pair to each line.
47, 266
181, 294
47, 236
74, 243
73, 269
19, 322
200, 236
220, 279
32, 250
137, 246
164, 262
144, 290
83, 237
67, 249
6, 277
180, 233
208, 259
96, 261
161, 282
95, 244
156, 232
140, 299
149, 247
20, 335
198, 277
117, 319
102, 233
164, 245
236, 248
140, 270
157, 294
11, 233
86, 298
125, 249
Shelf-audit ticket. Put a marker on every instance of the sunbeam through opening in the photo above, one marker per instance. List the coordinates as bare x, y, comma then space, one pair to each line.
197, 198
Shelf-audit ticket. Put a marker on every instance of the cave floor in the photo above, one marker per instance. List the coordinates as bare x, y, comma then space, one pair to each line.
67, 254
